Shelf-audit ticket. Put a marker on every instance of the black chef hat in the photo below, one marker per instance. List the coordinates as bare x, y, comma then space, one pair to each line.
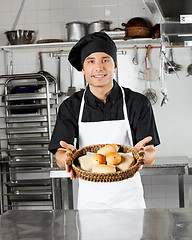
94, 42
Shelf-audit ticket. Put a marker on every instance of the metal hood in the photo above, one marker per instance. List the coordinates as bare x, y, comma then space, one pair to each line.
171, 9
175, 17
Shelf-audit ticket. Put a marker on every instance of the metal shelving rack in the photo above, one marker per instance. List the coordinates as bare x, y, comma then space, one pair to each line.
120, 43
23, 184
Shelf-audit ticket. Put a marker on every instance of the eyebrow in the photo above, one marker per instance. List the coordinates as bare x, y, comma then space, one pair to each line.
89, 58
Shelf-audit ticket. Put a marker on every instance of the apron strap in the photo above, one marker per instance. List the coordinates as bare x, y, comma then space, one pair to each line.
81, 107
124, 104
126, 118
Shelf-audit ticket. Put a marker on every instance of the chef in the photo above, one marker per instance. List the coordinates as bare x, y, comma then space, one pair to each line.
104, 113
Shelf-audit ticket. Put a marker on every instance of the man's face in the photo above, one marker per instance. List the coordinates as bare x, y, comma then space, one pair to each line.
99, 69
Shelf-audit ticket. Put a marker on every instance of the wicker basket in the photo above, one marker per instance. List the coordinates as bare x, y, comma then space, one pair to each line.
107, 177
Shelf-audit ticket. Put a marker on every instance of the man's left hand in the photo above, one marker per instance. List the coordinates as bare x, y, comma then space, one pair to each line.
142, 143
149, 151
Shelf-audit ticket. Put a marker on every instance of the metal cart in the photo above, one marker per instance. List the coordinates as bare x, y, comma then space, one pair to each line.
29, 117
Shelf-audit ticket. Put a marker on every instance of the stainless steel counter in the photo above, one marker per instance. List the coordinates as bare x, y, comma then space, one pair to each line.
170, 165
148, 224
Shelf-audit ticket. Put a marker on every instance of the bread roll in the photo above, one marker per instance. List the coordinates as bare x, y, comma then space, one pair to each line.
86, 162
98, 159
126, 161
116, 147
108, 148
103, 168
113, 158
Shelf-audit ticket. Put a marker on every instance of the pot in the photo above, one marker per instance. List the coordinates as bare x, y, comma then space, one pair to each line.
155, 31
98, 26
136, 28
116, 33
76, 30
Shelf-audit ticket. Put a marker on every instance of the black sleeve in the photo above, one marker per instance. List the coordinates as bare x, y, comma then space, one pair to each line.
65, 128
146, 125
141, 118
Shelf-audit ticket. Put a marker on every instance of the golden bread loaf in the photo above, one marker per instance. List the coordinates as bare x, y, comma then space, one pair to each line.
113, 158
98, 159
103, 168
108, 148
126, 161
115, 146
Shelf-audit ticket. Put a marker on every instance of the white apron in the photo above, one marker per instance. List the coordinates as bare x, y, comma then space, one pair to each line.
126, 194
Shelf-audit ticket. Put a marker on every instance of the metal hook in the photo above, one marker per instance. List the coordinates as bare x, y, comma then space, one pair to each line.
135, 60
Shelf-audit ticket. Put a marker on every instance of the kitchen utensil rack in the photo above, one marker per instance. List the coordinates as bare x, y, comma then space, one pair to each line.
25, 137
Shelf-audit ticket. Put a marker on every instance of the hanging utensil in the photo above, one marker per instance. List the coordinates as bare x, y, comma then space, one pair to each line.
150, 94
147, 75
135, 58
40, 59
58, 56
163, 76
10, 72
163, 86
71, 89
189, 70
171, 66
59, 75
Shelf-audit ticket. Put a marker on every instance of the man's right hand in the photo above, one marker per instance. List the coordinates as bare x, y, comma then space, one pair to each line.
61, 157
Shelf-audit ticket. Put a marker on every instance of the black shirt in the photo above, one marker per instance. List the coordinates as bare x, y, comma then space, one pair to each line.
140, 114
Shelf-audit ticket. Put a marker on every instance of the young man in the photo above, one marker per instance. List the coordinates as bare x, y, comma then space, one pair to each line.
104, 113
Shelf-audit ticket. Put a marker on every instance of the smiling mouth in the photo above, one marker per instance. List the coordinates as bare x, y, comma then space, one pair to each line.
99, 76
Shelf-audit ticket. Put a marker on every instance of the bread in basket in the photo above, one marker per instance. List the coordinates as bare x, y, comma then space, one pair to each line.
105, 177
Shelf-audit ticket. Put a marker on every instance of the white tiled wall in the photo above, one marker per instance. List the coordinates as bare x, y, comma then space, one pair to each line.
162, 191
49, 17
